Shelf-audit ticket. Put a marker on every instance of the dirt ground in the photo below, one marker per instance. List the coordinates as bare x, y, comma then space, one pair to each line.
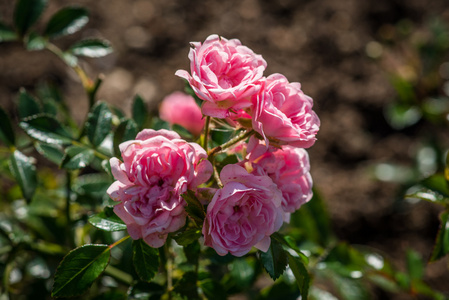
321, 44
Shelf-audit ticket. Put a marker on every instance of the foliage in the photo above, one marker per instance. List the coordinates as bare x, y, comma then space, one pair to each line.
59, 235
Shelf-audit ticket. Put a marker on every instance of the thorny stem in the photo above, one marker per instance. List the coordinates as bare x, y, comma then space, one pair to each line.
244, 135
217, 177
96, 152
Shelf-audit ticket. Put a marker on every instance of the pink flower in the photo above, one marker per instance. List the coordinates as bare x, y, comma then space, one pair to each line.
224, 74
157, 168
243, 214
179, 108
289, 168
283, 113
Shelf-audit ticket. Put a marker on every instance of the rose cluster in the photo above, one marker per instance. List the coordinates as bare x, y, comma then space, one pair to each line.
249, 200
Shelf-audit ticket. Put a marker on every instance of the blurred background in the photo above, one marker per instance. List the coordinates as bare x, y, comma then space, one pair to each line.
377, 72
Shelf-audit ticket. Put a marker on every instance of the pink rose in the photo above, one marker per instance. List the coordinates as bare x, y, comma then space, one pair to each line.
157, 168
243, 214
283, 113
179, 108
289, 168
224, 74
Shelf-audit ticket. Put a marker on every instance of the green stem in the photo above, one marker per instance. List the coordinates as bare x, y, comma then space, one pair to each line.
119, 275
69, 233
119, 242
96, 152
243, 136
206, 133
169, 268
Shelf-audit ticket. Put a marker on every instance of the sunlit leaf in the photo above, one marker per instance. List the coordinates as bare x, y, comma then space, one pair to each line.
24, 172
441, 247
26, 13
139, 111
91, 48
274, 260
6, 132
66, 21
53, 153
77, 157
46, 129
107, 220
35, 42
99, 124
145, 260
301, 275
79, 269
28, 105
428, 195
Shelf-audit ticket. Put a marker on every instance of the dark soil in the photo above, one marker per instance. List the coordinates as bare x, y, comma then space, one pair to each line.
318, 43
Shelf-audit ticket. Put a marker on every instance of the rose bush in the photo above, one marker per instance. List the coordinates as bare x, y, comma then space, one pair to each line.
157, 168
243, 214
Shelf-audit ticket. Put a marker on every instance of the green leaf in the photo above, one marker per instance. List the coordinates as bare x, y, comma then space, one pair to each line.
400, 115
274, 260
415, 265
99, 122
145, 260
301, 275
428, 195
194, 208
212, 289
187, 286
6, 132
441, 247
187, 237
46, 129
127, 130
192, 252
92, 185
77, 157
242, 273
53, 153
79, 269
221, 136
26, 13
6, 33
35, 42
158, 124
91, 48
107, 220
28, 105
24, 172
350, 289
139, 111
145, 291
66, 21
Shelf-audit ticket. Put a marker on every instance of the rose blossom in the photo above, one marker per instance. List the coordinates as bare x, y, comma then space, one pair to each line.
157, 168
224, 74
179, 108
243, 214
289, 168
284, 113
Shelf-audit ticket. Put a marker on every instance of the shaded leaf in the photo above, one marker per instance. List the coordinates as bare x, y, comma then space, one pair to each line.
91, 48
145, 260
24, 172
415, 265
6, 132
212, 289
183, 132
139, 111
99, 123
28, 105
145, 291
107, 220
77, 157
36, 42
66, 21
53, 153
46, 129
187, 286
92, 185
441, 247
157, 124
192, 252
187, 237
350, 289
301, 275
6, 33
79, 269
194, 208
26, 13
401, 115
127, 130
274, 260
221, 136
